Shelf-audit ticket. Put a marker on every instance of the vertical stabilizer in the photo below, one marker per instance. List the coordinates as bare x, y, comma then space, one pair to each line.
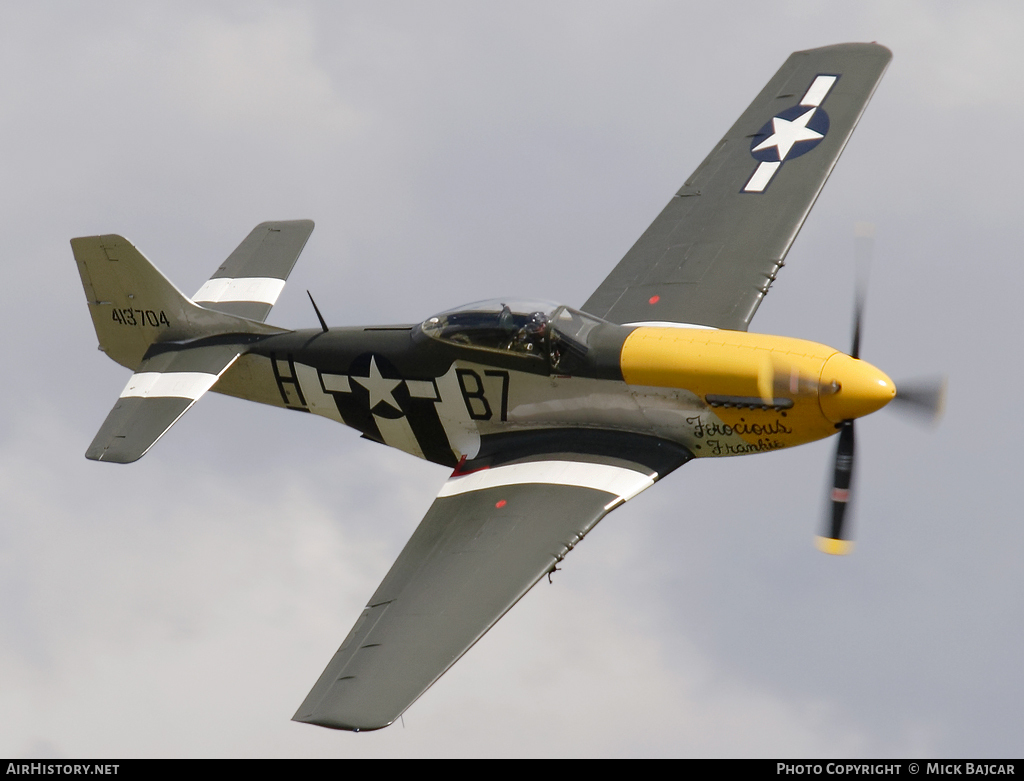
134, 306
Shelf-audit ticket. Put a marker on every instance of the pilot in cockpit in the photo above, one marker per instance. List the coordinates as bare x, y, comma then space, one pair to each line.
530, 338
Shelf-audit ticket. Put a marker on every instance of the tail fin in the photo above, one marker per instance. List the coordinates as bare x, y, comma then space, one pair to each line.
145, 323
134, 306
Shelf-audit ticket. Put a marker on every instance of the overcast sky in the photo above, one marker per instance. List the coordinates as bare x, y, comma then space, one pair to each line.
449, 152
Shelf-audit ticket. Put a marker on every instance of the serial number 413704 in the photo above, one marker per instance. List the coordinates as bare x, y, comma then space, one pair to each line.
140, 317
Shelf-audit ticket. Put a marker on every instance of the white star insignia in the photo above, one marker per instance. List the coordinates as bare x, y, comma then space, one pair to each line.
785, 133
380, 388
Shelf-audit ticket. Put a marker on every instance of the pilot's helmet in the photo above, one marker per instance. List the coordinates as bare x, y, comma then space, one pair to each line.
537, 323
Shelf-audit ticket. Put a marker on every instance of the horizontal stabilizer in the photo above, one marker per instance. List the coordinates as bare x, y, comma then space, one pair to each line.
168, 381
248, 283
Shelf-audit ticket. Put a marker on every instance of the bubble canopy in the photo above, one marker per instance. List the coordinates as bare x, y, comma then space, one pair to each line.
542, 329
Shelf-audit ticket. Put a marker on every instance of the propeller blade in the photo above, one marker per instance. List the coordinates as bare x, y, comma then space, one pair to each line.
858, 316
833, 540
788, 381
766, 381
924, 398
864, 240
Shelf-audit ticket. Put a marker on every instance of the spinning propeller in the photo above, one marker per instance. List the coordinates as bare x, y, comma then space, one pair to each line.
922, 398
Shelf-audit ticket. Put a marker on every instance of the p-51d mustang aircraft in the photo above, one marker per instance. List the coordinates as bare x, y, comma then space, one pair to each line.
550, 416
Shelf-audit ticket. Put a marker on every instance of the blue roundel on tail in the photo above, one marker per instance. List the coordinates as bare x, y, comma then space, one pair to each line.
791, 133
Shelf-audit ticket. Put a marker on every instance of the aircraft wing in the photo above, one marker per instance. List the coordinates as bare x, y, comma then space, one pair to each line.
711, 255
248, 283
499, 524
169, 380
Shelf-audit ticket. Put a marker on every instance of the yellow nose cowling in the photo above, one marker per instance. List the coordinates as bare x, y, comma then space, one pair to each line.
851, 388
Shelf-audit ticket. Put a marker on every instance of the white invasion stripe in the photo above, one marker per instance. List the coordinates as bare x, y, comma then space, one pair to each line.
761, 177
818, 90
668, 324
184, 385
619, 481
422, 389
336, 383
264, 290
397, 433
317, 401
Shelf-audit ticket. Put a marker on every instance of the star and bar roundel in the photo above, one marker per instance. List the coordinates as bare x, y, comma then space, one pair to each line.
790, 133
374, 398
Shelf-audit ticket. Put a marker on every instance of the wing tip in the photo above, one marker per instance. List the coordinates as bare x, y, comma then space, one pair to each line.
323, 720
110, 455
